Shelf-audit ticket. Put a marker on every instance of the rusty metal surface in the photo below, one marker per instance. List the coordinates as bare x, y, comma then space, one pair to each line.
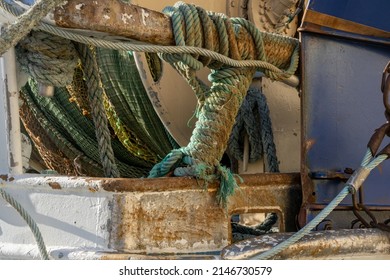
121, 19
163, 215
116, 17
177, 214
341, 107
329, 244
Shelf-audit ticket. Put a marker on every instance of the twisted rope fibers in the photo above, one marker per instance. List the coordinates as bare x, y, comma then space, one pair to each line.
222, 86
219, 106
12, 34
30, 222
49, 59
136, 46
95, 95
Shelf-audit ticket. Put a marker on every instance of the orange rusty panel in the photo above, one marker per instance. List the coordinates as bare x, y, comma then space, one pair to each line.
173, 221
169, 215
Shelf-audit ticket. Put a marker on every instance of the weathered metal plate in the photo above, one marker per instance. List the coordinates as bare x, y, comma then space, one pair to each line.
91, 217
341, 107
330, 244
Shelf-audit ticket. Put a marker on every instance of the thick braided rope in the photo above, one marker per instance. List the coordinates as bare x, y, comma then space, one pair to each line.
29, 220
12, 34
49, 59
219, 106
95, 95
253, 117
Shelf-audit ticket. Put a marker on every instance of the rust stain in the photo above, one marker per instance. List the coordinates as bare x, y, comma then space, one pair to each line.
309, 144
55, 185
11, 179
92, 189
118, 18
4, 177
187, 183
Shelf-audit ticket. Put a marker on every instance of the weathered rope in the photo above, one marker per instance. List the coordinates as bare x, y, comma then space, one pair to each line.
142, 47
229, 84
49, 59
95, 95
12, 34
218, 106
253, 118
29, 220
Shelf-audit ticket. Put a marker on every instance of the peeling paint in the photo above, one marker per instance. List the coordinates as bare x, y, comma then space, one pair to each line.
126, 17
79, 6
145, 15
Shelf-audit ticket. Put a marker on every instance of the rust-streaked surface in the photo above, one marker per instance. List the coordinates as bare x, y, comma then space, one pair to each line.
168, 215
116, 17
330, 244
121, 19
152, 216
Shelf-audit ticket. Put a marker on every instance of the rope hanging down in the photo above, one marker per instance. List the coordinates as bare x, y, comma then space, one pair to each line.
225, 40
218, 107
95, 96
253, 119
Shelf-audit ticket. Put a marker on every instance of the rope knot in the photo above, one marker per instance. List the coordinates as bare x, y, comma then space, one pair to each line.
49, 59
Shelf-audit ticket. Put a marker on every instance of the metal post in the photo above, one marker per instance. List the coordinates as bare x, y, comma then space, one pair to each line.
10, 138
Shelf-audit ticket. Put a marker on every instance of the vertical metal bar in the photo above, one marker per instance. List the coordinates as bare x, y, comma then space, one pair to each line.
12, 148
4, 156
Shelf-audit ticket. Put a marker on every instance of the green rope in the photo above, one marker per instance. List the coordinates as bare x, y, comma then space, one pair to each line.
205, 53
219, 105
29, 220
95, 96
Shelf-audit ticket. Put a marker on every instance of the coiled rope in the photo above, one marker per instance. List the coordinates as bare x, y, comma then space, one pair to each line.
29, 220
142, 47
230, 81
217, 107
49, 59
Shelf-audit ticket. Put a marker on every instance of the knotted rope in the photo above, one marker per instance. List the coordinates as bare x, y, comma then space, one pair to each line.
217, 107
11, 35
49, 59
